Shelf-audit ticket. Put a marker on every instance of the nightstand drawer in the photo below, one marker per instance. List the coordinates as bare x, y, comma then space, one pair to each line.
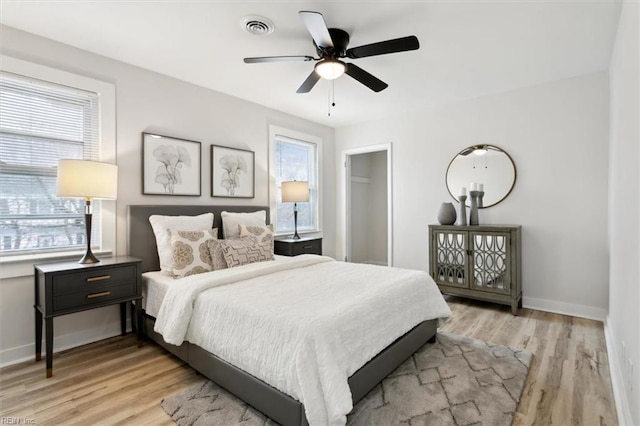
291, 247
94, 281
96, 295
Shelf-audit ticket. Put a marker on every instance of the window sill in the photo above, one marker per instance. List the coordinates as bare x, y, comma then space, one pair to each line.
21, 265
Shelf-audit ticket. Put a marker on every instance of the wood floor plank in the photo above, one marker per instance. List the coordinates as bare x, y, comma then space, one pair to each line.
114, 382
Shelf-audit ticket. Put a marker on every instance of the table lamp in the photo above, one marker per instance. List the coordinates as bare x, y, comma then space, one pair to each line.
89, 180
295, 192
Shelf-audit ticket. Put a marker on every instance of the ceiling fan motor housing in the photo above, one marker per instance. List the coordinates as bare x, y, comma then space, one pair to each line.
340, 40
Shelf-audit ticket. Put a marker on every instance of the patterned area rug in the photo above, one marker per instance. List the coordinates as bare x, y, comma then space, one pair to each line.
455, 381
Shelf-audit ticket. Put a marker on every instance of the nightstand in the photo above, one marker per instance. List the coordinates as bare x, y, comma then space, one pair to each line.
67, 287
291, 247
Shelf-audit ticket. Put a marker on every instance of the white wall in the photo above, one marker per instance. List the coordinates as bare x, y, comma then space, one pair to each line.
150, 102
557, 135
623, 335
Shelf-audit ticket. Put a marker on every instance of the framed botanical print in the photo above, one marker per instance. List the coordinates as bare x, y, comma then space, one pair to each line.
232, 172
170, 166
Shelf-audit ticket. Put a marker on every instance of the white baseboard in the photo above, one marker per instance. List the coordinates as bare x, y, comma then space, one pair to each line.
61, 343
617, 378
582, 311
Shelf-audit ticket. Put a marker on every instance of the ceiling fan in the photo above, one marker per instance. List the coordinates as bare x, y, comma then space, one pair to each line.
331, 46
479, 149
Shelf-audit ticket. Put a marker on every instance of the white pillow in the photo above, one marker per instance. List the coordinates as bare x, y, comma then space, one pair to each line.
231, 222
161, 226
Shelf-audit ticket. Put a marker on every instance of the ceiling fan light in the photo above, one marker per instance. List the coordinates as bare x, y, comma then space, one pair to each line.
480, 150
330, 69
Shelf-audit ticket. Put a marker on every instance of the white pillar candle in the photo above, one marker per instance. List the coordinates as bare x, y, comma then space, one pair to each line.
463, 191
473, 186
480, 187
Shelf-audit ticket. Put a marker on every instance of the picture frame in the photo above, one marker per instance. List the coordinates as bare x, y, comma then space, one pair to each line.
171, 166
232, 172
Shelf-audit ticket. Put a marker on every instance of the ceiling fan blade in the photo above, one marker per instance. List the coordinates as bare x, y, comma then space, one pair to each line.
316, 26
383, 47
261, 59
309, 83
365, 78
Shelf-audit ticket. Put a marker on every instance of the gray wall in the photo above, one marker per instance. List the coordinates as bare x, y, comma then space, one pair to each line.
623, 333
557, 135
148, 101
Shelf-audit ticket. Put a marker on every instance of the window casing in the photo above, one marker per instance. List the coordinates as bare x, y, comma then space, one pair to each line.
296, 159
40, 123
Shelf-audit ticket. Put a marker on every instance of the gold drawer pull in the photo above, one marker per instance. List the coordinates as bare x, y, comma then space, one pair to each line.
100, 278
307, 247
94, 295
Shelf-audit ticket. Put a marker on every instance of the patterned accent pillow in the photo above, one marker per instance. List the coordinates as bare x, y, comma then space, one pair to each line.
264, 234
191, 251
161, 226
244, 251
216, 253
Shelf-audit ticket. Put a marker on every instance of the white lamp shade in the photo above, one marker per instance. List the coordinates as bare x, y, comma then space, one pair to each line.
87, 179
295, 192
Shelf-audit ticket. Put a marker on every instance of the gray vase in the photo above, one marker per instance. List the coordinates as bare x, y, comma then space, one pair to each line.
447, 214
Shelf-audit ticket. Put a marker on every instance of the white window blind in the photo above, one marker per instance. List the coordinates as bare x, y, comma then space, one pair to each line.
296, 160
40, 123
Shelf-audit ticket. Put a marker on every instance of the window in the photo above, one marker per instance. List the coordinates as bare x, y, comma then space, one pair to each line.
295, 159
40, 123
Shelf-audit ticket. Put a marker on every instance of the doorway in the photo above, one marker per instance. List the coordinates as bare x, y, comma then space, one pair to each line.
368, 218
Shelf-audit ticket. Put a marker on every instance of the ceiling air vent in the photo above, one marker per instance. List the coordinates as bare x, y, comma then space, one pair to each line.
257, 25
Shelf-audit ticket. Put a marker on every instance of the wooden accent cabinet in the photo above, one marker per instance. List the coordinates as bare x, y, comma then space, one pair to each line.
480, 262
66, 287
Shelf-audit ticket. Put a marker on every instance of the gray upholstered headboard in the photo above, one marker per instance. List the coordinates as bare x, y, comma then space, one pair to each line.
141, 241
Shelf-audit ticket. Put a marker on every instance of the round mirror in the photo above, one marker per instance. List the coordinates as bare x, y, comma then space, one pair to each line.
486, 166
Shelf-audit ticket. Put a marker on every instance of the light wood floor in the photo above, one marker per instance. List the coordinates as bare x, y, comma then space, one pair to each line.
115, 382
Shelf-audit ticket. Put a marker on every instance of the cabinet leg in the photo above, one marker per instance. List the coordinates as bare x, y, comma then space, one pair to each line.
514, 309
123, 318
49, 345
38, 335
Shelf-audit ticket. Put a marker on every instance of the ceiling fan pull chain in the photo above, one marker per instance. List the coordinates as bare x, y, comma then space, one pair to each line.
328, 101
333, 90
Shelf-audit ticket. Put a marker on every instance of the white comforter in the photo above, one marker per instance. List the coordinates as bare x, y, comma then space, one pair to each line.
303, 325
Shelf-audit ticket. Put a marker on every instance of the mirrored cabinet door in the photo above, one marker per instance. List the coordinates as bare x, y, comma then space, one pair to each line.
451, 255
490, 264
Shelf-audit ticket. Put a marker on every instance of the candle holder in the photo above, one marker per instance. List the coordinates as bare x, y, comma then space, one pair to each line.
462, 217
480, 195
473, 215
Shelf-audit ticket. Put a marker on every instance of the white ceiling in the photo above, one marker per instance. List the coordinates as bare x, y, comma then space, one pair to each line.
467, 48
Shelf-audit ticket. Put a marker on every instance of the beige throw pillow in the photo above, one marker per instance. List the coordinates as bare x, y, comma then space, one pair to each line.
161, 226
217, 255
191, 251
244, 251
263, 234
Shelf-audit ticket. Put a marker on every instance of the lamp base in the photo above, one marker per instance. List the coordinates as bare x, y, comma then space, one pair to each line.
295, 222
88, 258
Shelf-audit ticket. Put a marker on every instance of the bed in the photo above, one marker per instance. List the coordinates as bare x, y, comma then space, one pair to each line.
275, 403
